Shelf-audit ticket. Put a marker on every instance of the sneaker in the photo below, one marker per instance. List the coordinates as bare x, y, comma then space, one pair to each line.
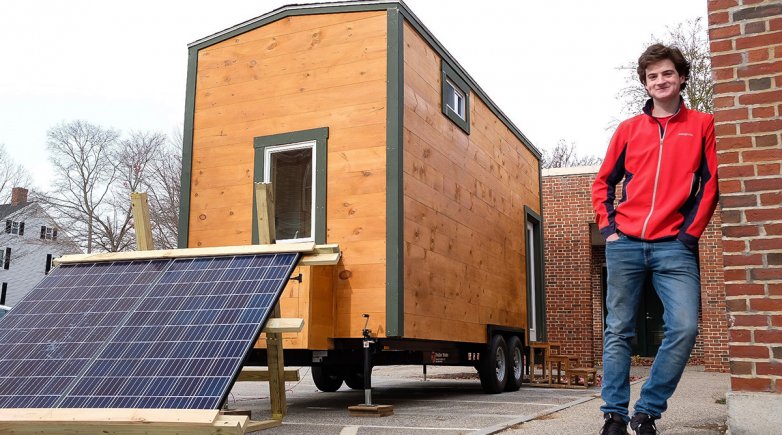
643, 424
614, 425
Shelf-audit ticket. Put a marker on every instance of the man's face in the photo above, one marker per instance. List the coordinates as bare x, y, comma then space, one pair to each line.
662, 81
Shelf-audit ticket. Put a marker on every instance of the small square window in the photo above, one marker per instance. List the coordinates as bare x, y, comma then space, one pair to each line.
456, 98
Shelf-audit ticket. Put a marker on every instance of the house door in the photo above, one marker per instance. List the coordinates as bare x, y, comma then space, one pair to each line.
536, 303
649, 320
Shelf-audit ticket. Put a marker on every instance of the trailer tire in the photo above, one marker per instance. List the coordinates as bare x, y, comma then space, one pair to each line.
493, 369
327, 378
515, 364
354, 378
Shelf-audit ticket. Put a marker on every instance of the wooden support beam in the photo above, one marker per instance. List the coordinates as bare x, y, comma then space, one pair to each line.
324, 259
256, 373
274, 357
120, 421
264, 205
283, 325
140, 207
304, 247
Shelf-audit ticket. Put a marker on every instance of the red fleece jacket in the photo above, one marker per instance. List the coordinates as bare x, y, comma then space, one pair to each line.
670, 177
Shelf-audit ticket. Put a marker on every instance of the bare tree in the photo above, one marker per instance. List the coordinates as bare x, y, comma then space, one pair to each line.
692, 39
134, 158
81, 154
11, 175
163, 185
564, 155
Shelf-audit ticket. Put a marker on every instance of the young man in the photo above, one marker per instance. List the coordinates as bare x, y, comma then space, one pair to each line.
667, 158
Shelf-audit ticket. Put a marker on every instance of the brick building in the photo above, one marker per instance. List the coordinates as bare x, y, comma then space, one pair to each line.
746, 54
575, 278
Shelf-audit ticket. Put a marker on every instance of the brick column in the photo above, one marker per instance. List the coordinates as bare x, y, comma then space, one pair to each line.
746, 47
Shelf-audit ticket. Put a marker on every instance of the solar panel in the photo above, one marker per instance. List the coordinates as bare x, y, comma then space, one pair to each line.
168, 333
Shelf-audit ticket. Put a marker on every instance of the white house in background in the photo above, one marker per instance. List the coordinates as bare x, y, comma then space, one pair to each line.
29, 241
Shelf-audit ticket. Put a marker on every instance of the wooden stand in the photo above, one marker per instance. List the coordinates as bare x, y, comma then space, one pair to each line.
371, 410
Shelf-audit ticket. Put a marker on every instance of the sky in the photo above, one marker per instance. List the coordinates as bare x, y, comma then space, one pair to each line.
550, 66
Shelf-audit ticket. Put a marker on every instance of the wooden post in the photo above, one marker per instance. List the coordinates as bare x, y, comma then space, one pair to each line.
140, 208
264, 203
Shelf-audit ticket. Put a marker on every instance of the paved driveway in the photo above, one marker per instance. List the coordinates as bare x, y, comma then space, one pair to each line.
450, 401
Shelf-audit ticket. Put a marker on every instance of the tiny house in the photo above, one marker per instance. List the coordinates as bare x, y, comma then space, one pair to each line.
374, 138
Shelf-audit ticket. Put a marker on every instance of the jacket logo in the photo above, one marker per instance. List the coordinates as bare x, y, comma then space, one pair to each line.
686, 134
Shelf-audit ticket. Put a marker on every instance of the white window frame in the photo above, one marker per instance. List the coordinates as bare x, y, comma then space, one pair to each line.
267, 169
458, 104
15, 225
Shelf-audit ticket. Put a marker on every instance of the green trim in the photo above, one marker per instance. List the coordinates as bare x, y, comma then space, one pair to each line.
448, 73
325, 8
183, 230
291, 11
395, 289
320, 136
542, 249
540, 299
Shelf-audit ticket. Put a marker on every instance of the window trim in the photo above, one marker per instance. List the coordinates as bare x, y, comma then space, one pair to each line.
267, 169
320, 137
450, 76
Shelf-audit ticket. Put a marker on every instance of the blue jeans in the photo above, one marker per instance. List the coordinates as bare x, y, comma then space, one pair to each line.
676, 279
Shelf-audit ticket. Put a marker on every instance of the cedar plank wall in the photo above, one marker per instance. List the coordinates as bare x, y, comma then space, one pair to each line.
464, 199
299, 73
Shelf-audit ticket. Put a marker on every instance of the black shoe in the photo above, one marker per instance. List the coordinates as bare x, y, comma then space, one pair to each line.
614, 425
643, 424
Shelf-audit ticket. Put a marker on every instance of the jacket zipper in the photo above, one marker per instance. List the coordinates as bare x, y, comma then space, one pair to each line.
657, 174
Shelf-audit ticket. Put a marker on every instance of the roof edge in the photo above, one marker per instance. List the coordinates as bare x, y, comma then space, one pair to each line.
369, 5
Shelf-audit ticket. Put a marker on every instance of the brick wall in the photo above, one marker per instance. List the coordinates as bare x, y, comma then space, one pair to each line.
567, 213
746, 46
574, 299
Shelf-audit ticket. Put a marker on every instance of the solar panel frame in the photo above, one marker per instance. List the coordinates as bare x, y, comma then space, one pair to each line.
178, 295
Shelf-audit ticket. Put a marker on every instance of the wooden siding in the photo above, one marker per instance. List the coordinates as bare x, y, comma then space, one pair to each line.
464, 224
299, 73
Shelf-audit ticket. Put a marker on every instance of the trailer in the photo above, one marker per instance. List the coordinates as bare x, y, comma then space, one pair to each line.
375, 140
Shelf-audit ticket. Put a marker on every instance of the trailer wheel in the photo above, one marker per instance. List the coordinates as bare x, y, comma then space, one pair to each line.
494, 366
327, 378
515, 364
354, 378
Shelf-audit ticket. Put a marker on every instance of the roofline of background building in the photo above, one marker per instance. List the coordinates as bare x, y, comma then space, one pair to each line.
576, 170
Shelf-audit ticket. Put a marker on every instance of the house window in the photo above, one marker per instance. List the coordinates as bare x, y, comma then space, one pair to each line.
295, 164
14, 227
7, 258
48, 264
456, 98
48, 233
3, 292
289, 169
